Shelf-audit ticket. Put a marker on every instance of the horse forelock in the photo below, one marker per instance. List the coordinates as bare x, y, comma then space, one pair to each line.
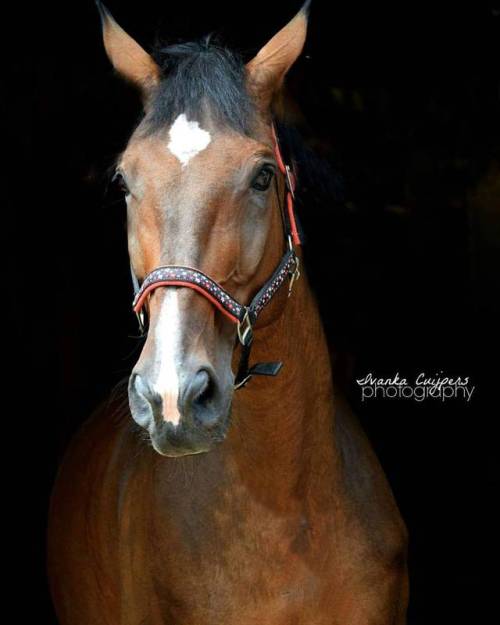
199, 80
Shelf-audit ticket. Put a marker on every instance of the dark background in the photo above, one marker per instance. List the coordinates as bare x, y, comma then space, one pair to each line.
403, 103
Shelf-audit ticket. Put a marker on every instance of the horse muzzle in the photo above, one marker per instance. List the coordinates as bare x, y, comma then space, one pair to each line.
194, 422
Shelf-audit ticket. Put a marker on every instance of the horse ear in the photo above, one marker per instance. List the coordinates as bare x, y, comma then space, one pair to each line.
266, 71
127, 57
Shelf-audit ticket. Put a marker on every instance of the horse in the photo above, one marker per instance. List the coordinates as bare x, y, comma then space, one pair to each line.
253, 495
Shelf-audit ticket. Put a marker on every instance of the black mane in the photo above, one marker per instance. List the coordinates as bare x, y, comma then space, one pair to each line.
201, 78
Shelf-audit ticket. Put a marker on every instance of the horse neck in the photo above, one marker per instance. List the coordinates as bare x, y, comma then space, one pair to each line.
282, 430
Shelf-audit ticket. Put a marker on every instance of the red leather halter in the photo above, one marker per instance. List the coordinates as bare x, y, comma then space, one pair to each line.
244, 316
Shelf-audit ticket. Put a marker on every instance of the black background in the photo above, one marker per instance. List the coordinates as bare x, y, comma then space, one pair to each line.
403, 102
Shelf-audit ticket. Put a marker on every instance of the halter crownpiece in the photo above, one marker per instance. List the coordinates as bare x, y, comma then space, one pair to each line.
244, 316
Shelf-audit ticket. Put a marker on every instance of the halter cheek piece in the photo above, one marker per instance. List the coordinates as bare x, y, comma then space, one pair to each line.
243, 316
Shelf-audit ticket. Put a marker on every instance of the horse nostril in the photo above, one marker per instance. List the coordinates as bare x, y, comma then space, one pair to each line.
201, 398
145, 402
140, 385
202, 388
143, 388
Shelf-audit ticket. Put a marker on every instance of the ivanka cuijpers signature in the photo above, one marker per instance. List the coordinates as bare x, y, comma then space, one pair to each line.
424, 386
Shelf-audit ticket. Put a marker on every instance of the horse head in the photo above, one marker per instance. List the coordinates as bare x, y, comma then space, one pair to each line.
203, 182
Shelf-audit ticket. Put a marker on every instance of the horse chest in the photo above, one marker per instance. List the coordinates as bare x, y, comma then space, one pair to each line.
224, 558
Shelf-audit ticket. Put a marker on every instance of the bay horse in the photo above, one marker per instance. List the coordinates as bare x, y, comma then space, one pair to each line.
258, 504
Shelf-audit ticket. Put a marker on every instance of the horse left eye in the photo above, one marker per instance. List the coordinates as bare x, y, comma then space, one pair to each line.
263, 179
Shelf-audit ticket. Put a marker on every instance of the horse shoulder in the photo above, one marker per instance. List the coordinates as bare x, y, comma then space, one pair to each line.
377, 534
84, 518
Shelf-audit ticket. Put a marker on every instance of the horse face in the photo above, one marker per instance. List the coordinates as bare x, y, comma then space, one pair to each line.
204, 200
199, 193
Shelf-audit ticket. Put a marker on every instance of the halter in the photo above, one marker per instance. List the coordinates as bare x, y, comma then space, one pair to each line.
243, 316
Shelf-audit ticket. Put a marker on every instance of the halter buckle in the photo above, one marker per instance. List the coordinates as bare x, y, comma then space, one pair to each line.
244, 329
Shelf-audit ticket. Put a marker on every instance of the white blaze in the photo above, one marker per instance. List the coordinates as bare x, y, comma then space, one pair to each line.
167, 341
187, 139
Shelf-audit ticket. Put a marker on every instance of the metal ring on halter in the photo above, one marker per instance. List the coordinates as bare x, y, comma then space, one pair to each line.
140, 320
244, 329
290, 181
295, 275
243, 382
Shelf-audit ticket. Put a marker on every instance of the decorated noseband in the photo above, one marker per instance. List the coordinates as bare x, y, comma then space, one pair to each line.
243, 316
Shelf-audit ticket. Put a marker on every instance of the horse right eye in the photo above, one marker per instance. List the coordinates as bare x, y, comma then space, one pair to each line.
263, 179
